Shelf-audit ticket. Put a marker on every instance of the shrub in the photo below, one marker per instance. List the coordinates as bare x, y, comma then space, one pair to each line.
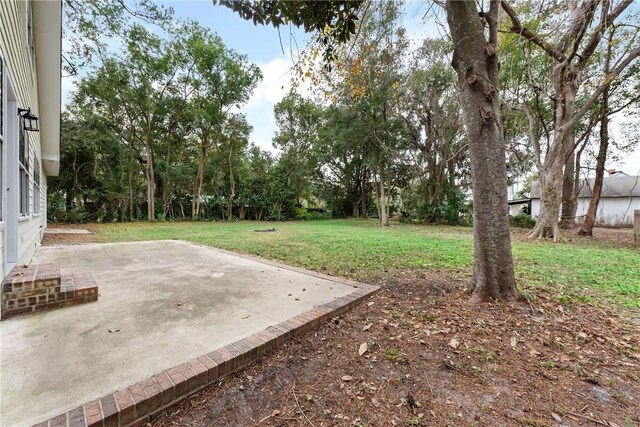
313, 216
300, 213
522, 220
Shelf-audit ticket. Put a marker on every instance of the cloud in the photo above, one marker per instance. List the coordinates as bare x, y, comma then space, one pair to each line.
275, 84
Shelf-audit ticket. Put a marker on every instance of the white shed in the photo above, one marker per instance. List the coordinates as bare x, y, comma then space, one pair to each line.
620, 196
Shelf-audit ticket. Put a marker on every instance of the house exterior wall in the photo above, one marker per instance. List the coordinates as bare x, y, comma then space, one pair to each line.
20, 88
612, 211
516, 209
2, 273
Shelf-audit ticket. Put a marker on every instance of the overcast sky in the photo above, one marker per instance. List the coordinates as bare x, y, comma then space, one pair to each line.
264, 47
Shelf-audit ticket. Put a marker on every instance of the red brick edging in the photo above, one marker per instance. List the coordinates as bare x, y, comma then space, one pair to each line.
135, 404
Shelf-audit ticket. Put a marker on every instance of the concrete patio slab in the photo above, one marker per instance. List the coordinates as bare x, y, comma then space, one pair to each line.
66, 231
161, 304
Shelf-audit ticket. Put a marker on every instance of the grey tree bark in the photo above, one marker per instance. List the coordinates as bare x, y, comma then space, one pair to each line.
590, 219
570, 58
569, 201
476, 65
151, 181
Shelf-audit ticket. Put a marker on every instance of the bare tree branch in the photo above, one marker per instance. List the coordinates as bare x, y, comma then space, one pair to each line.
581, 23
518, 28
592, 44
606, 83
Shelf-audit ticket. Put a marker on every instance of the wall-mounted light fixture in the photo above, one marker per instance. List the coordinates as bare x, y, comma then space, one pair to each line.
30, 120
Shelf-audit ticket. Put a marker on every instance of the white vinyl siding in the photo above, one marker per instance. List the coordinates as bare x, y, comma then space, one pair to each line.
18, 51
17, 55
2, 136
612, 211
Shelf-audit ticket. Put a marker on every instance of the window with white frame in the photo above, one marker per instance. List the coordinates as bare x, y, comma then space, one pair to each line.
36, 186
24, 169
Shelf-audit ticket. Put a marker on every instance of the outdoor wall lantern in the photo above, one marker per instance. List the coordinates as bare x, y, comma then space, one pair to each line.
30, 120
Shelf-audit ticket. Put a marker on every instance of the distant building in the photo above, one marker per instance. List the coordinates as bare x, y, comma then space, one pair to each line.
620, 196
519, 206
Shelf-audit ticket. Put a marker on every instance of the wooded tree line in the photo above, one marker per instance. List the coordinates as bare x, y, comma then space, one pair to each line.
530, 83
154, 132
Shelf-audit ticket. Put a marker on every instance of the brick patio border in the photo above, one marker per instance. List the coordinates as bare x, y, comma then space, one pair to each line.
135, 404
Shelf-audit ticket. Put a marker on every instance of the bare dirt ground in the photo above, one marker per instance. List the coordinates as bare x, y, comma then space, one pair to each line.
431, 359
417, 354
619, 237
71, 239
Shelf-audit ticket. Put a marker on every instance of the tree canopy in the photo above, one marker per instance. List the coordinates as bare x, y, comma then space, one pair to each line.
440, 131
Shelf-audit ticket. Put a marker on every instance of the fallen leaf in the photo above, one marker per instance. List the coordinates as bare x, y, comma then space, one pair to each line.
246, 317
114, 330
347, 378
179, 304
367, 327
556, 417
275, 413
363, 349
514, 341
582, 335
375, 402
454, 343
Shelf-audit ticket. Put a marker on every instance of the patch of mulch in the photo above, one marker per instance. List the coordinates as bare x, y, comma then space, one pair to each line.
70, 239
602, 236
619, 237
417, 354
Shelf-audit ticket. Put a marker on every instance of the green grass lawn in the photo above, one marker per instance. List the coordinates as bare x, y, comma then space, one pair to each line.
362, 249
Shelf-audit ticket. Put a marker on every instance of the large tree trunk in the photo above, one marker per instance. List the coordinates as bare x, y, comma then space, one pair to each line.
590, 219
130, 194
197, 183
383, 210
166, 185
569, 202
577, 186
565, 82
232, 187
476, 64
363, 193
151, 182
567, 66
